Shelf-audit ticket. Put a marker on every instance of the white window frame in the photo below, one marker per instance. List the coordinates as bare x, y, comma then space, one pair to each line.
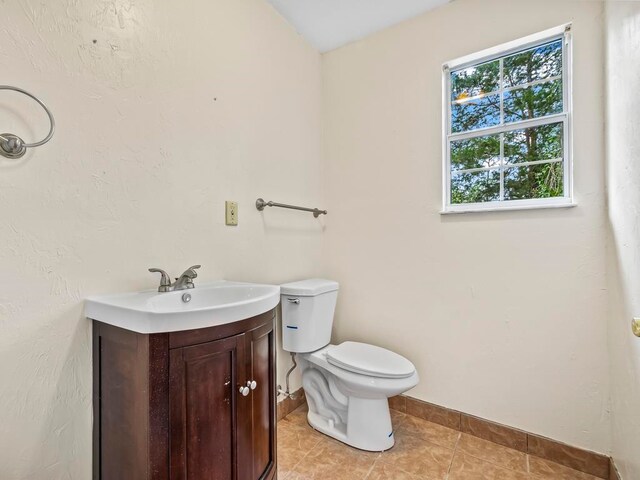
565, 117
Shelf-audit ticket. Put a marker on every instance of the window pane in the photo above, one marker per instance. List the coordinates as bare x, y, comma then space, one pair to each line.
474, 81
475, 152
474, 114
534, 181
533, 144
533, 102
475, 187
538, 63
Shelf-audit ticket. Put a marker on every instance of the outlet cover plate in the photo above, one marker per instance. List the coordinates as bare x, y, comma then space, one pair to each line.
231, 213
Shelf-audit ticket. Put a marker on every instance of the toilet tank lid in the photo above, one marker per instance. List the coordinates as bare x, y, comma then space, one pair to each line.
308, 288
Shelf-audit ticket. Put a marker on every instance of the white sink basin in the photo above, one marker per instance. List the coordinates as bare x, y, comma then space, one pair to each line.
211, 304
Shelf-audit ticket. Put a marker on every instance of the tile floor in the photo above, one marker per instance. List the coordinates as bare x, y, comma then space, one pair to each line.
423, 451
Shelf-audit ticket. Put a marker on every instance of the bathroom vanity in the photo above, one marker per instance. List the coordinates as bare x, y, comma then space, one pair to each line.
196, 403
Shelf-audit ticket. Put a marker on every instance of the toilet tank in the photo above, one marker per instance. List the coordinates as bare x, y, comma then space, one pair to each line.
307, 314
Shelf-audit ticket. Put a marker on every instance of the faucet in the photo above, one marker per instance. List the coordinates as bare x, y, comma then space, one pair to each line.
186, 279
183, 282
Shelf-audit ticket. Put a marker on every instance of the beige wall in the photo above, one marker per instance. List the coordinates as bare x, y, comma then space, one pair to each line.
502, 313
172, 110
623, 176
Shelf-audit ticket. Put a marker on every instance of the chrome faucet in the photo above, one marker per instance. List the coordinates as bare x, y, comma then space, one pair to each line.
183, 282
186, 279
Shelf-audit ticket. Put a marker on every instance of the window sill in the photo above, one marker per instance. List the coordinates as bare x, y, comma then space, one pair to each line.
481, 209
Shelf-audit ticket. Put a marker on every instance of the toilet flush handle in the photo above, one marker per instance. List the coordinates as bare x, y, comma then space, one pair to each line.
294, 300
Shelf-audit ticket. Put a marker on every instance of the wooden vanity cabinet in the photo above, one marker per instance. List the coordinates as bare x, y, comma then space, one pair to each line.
169, 405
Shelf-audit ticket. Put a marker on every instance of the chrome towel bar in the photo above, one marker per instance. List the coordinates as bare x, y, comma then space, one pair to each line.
260, 204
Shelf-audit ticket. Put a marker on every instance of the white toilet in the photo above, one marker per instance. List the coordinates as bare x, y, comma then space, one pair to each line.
347, 385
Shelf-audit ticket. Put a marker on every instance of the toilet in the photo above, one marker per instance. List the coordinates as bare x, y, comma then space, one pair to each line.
347, 385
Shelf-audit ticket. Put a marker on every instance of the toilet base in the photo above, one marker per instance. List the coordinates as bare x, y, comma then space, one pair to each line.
350, 407
368, 425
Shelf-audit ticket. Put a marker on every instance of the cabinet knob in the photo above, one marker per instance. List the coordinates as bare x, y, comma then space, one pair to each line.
252, 384
244, 391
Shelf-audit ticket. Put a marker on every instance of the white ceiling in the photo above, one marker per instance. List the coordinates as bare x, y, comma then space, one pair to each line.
329, 24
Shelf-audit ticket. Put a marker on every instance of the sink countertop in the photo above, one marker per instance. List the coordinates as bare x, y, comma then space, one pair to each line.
212, 303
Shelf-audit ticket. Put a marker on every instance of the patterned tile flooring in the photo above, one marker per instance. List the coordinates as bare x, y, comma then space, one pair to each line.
423, 451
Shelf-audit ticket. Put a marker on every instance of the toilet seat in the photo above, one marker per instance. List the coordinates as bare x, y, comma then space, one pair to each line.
370, 360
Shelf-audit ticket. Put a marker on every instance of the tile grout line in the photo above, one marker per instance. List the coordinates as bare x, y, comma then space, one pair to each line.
499, 465
371, 469
455, 449
458, 449
301, 459
296, 427
478, 457
380, 457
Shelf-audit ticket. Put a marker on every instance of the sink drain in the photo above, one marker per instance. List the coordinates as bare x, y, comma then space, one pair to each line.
186, 298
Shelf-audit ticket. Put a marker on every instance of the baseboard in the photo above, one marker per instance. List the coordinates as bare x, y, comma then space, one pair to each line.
614, 474
288, 405
593, 463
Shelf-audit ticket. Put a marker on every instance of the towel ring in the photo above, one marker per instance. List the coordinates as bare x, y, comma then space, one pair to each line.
12, 146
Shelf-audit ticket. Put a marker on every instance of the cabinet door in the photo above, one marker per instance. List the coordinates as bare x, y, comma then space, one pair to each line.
257, 412
204, 381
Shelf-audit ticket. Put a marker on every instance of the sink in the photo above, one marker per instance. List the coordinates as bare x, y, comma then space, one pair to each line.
211, 304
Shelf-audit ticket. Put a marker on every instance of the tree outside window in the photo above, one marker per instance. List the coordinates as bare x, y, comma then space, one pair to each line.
507, 127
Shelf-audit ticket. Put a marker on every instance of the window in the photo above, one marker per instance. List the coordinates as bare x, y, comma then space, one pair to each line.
507, 128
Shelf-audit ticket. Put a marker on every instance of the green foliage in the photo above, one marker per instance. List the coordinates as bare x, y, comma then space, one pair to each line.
533, 181
475, 152
472, 106
475, 187
476, 104
532, 144
533, 102
476, 80
539, 63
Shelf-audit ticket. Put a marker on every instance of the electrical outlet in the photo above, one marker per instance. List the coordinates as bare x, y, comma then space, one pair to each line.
231, 213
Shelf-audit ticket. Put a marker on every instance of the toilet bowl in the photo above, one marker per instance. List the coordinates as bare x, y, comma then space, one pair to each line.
347, 385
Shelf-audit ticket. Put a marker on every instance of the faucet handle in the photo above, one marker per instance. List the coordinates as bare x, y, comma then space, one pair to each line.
186, 279
191, 271
165, 279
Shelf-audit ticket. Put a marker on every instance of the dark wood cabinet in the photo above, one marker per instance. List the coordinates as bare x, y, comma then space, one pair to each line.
193, 405
261, 405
